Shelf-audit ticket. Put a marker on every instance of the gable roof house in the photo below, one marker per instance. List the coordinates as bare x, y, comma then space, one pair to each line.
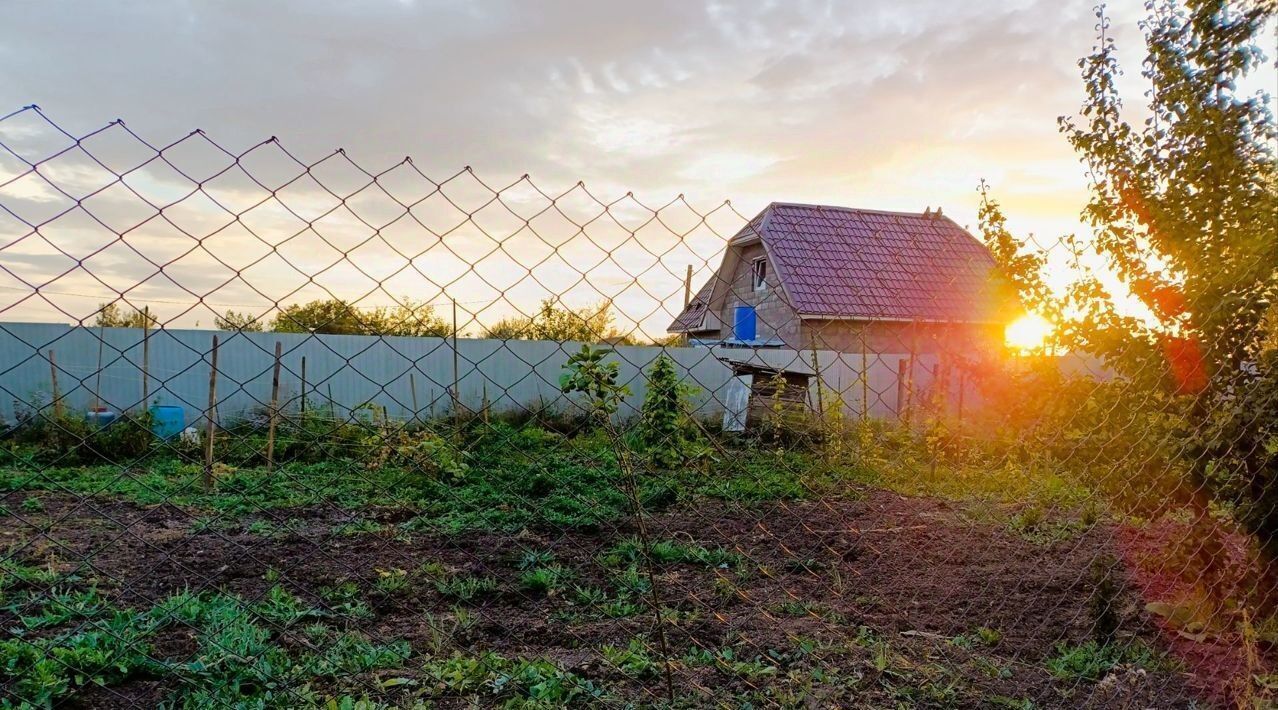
853, 280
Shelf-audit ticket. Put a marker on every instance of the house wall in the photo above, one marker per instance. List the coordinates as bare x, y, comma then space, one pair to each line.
968, 339
775, 318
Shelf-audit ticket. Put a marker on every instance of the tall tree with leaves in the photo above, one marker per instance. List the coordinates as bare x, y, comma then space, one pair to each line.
1184, 209
1184, 206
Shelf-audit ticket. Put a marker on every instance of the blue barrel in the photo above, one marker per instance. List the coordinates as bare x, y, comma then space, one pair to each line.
100, 417
167, 421
743, 324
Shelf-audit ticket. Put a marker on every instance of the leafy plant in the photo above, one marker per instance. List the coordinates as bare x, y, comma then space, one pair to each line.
545, 580
665, 432
422, 452
587, 373
466, 588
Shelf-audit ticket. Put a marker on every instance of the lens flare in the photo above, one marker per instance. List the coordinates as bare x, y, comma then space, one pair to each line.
1029, 332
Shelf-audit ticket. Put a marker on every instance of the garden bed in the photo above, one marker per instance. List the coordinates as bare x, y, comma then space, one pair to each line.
855, 597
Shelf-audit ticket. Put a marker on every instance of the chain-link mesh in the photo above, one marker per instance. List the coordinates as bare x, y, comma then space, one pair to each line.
282, 432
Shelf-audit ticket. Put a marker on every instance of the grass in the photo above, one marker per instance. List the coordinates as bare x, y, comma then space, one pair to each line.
516, 478
466, 588
302, 647
1091, 661
240, 659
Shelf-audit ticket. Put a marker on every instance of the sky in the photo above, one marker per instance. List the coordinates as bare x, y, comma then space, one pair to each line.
898, 105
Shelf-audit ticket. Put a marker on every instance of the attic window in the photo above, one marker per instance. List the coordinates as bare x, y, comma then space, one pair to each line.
759, 274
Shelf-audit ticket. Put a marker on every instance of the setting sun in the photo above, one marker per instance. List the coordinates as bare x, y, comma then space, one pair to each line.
1028, 332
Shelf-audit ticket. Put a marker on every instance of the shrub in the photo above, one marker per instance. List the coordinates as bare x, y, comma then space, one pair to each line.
665, 432
423, 452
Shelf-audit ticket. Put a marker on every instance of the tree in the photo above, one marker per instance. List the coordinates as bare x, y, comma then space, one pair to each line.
552, 321
245, 322
330, 316
337, 317
1184, 208
410, 318
110, 315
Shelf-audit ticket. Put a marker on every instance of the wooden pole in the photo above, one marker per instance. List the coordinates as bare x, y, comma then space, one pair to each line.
332, 406
53, 384
211, 413
902, 404
456, 369
412, 386
146, 355
97, 388
275, 408
303, 406
865, 379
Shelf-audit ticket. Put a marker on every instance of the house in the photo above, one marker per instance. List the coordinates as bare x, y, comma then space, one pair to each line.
852, 280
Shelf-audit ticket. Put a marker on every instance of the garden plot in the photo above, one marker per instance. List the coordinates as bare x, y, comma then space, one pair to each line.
775, 580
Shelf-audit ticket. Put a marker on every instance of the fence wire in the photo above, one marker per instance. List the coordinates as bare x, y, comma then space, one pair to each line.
302, 433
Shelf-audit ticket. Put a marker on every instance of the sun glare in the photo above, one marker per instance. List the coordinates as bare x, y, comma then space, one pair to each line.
1028, 332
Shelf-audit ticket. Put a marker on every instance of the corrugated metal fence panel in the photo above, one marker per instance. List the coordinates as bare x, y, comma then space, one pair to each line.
353, 370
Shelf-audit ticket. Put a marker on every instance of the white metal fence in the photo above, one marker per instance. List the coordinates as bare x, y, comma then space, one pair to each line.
406, 376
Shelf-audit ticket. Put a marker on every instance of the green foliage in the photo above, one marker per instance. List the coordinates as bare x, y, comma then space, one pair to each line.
545, 580
244, 322
635, 660
666, 433
335, 316
510, 682
630, 551
1183, 209
422, 452
46, 437
1091, 661
552, 321
239, 660
587, 373
111, 315
466, 588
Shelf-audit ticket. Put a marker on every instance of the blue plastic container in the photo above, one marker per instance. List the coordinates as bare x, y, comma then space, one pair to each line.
167, 421
100, 417
743, 324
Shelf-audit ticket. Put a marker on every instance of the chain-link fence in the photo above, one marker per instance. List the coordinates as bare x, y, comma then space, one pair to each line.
281, 432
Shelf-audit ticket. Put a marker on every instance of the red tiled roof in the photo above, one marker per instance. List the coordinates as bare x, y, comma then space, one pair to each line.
837, 262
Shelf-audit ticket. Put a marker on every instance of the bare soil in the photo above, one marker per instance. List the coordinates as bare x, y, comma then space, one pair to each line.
914, 572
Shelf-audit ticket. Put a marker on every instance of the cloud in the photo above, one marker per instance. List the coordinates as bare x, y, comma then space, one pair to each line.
895, 105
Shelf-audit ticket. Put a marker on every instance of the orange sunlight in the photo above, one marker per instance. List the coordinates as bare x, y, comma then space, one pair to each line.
1029, 332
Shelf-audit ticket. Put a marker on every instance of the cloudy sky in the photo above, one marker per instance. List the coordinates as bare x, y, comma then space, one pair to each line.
894, 105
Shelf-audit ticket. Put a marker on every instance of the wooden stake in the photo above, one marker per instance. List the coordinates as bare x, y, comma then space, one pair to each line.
275, 408
902, 404
865, 379
146, 356
412, 386
212, 417
97, 388
303, 406
456, 370
332, 406
53, 383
